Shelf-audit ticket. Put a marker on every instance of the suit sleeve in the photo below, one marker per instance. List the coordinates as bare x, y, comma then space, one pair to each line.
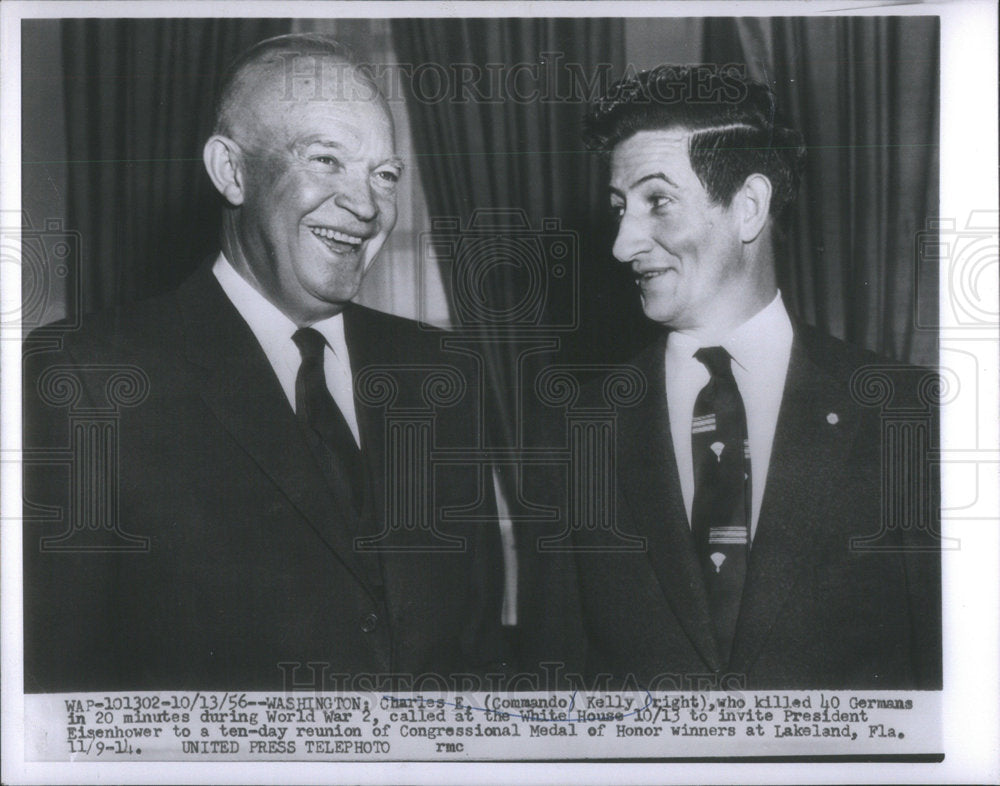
68, 591
551, 638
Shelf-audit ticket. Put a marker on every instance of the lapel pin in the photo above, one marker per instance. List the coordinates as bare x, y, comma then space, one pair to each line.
832, 418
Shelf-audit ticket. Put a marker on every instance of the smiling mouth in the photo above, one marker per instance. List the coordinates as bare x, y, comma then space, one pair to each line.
649, 275
336, 241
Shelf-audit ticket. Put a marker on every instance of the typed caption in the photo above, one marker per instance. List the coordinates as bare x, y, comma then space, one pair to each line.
245, 726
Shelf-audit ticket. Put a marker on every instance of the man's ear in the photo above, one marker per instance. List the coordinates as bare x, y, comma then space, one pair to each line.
754, 199
224, 163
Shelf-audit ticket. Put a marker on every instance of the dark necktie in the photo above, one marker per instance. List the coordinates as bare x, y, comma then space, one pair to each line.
324, 423
720, 515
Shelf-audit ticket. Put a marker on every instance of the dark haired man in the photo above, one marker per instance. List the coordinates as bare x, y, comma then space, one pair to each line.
750, 475
255, 461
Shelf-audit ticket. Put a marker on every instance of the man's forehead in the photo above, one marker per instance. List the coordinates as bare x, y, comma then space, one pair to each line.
342, 135
348, 111
291, 78
651, 144
319, 77
648, 151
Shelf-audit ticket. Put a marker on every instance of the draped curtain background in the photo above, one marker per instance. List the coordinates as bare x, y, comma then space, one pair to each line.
480, 157
864, 92
139, 98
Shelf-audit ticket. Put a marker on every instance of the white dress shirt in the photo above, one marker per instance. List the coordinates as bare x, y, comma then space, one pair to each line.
274, 332
760, 348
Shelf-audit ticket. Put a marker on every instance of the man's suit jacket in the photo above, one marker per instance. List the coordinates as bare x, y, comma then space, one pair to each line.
817, 611
249, 562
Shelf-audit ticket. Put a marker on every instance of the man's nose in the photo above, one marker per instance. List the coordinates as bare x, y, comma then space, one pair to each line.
632, 239
357, 197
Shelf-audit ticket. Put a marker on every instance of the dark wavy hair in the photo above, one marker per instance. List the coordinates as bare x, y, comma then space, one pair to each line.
735, 127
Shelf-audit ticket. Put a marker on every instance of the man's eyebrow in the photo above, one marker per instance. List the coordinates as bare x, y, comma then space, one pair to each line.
321, 141
644, 179
395, 161
654, 176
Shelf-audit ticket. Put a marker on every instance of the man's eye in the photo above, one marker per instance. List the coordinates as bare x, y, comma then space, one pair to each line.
388, 176
326, 161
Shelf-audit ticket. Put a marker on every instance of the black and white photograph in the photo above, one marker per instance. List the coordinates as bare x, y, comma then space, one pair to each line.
534, 384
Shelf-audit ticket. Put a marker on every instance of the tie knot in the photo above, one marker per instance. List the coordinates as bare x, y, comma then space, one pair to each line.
310, 343
716, 360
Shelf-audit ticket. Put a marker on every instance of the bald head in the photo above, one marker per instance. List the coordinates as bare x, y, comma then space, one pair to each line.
303, 153
288, 69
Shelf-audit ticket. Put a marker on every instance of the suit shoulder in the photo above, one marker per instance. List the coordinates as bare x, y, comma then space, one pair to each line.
836, 354
122, 331
626, 382
391, 337
384, 322
835, 351
865, 373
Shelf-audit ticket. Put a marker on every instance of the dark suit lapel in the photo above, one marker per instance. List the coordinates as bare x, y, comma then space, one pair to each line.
239, 386
648, 474
375, 341
807, 449
360, 335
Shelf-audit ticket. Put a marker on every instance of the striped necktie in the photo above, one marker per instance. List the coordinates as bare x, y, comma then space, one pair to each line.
720, 515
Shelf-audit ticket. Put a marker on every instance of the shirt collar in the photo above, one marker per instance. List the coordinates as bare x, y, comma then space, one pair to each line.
751, 345
271, 325
757, 341
268, 323
332, 329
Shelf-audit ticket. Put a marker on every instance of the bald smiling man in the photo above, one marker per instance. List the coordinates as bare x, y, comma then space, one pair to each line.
255, 535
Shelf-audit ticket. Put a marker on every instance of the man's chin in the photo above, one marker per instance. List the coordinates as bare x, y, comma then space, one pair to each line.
337, 298
658, 308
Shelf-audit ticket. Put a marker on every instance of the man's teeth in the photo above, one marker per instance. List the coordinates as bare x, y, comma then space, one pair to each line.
650, 274
340, 237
